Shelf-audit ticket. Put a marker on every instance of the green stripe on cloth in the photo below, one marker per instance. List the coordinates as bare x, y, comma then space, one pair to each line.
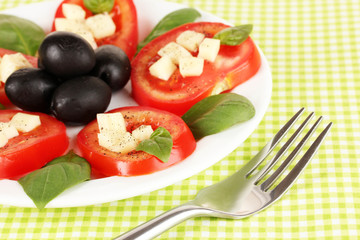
313, 48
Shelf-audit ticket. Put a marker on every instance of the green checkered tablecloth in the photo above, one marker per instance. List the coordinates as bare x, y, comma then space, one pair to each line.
313, 48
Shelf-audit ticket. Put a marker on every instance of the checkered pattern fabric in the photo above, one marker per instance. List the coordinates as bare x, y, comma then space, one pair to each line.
313, 48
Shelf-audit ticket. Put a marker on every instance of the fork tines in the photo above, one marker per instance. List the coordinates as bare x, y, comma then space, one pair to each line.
297, 169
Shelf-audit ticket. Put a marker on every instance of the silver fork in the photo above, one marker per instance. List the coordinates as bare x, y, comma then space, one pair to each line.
246, 192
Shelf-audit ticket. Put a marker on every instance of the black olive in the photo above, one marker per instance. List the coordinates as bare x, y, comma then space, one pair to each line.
78, 100
66, 54
31, 89
112, 65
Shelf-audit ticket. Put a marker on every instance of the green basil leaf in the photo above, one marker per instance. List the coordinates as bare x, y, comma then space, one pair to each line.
99, 6
20, 35
2, 107
217, 113
159, 144
45, 184
170, 21
234, 35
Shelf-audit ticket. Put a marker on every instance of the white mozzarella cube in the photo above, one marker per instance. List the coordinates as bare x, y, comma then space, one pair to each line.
190, 40
24, 122
143, 132
10, 63
209, 49
76, 26
117, 143
174, 51
111, 122
191, 66
73, 11
3, 140
163, 68
9, 130
101, 25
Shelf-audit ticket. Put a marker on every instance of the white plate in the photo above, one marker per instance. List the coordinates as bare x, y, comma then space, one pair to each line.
209, 150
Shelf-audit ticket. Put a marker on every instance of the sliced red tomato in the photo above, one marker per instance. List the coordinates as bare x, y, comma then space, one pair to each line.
3, 98
136, 162
233, 66
125, 18
32, 150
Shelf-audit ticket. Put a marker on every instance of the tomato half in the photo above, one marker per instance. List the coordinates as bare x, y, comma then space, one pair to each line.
125, 18
3, 98
32, 150
136, 162
233, 66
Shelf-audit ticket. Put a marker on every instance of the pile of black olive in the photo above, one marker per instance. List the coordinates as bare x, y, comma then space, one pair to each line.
73, 82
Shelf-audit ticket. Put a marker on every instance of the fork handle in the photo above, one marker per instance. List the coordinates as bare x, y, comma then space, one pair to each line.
163, 222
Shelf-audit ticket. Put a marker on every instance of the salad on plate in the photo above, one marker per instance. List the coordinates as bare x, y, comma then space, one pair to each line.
64, 121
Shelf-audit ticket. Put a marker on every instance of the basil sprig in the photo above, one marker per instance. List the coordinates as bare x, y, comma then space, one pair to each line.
2, 107
234, 35
217, 113
170, 21
159, 144
99, 6
45, 184
20, 35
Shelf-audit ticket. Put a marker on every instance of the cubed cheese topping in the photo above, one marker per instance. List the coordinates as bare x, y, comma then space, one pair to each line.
111, 122
174, 51
73, 11
120, 143
163, 68
24, 122
191, 66
178, 53
101, 25
10, 63
3, 140
76, 26
143, 132
114, 137
9, 130
190, 40
209, 49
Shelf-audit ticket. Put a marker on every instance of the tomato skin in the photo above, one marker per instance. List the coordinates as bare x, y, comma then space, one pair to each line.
3, 98
125, 18
234, 65
134, 163
32, 150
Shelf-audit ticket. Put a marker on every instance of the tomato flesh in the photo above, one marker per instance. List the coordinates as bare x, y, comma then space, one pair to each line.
32, 150
133, 163
233, 65
3, 98
125, 18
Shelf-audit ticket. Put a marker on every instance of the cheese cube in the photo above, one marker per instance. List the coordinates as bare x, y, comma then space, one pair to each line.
163, 68
120, 143
190, 40
10, 63
73, 11
111, 122
24, 122
9, 130
101, 25
76, 26
191, 66
174, 51
3, 140
209, 49
143, 132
